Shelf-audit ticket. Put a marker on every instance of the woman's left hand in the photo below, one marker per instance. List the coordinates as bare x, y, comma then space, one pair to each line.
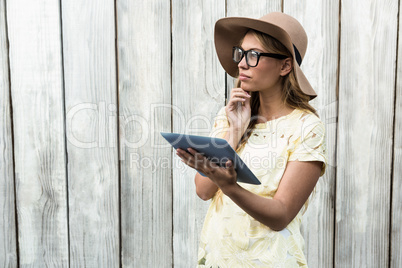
223, 177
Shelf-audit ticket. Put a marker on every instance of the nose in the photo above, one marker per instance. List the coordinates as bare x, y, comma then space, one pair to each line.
243, 64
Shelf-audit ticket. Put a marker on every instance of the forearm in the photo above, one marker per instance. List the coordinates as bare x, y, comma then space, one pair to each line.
269, 212
205, 188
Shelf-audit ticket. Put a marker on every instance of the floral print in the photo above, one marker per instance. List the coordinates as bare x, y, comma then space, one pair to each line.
232, 238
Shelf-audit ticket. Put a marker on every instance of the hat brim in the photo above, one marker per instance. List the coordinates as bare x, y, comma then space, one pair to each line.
228, 33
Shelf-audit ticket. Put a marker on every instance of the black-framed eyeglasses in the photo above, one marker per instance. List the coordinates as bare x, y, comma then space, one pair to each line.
252, 56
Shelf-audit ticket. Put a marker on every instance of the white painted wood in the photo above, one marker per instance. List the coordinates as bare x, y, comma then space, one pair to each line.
364, 142
91, 128
198, 91
39, 141
144, 57
8, 235
396, 209
244, 8
320, 19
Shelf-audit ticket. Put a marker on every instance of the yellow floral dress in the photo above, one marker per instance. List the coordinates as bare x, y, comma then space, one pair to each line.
230, 238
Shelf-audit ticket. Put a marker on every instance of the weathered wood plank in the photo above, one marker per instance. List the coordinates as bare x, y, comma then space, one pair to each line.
8, 235
396, 210
144, 103
91, 128
37, 94
243, 8
198, 90
320, 19
366, 107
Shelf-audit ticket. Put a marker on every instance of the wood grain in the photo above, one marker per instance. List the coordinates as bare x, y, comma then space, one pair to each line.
144, 104
198, 92
366, 111
169, 79
396, 209
91, 127
320, 65
8, 235
37, 94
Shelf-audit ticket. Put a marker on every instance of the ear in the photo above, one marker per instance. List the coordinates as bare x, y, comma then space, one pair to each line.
286, 67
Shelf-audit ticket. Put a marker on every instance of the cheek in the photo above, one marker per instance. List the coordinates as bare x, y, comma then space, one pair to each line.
268, 77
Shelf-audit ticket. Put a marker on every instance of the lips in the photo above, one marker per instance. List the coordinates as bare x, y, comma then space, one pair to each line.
243, 77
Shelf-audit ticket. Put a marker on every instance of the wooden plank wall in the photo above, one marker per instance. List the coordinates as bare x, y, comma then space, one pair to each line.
39, 140
144, 64
396, 209
91, 128
364, 148
320, 20
198, 91
86, 86
8, 238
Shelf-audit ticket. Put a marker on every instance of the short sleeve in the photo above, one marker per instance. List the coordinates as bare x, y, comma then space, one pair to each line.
220, 124
311, 146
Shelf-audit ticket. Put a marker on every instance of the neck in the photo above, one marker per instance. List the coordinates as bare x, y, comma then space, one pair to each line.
271, 105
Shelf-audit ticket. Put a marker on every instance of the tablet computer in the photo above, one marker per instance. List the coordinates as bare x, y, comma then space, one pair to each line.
216, 150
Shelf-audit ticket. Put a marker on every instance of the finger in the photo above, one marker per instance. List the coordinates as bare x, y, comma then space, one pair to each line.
235, 91
239, 90
184, 153
230, 167
203, 163
188, 163
198, 161
229, 164
236, 99
247, 103
192, 151
243, 94
198, 157
186, 158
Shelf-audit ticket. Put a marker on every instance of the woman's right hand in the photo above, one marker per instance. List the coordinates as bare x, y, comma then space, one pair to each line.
238, 110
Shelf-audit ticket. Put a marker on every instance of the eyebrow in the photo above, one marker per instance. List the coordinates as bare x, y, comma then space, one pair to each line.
254, 48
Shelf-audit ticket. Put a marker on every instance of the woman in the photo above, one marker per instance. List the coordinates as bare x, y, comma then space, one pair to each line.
270, 124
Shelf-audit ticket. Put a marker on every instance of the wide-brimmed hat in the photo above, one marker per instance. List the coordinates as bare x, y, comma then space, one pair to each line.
286, 29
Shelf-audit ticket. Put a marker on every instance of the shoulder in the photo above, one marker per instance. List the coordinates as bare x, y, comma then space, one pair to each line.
220, 119
220, 116
305, 121
222, 111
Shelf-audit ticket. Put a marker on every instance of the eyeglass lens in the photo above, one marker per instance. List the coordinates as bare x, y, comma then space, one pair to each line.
251, 56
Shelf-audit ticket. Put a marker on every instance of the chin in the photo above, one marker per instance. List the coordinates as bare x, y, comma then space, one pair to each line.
246, 87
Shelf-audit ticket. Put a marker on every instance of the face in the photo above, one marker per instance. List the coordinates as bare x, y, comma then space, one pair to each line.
266, 75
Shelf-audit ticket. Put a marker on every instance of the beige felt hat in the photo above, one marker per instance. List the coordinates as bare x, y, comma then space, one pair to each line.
229, 31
